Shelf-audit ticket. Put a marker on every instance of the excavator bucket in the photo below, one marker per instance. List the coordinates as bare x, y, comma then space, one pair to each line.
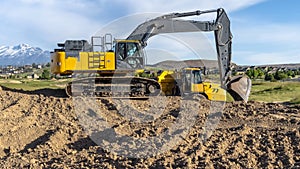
239, 88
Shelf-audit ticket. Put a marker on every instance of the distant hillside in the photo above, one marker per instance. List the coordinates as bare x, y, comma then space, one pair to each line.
291, 65
171, 64
287, 66
276, 65
212, 64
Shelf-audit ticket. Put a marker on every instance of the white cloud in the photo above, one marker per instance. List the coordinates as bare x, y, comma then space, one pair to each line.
180, 46
267, 32
44, 23
262, 58
186, 5
257, 42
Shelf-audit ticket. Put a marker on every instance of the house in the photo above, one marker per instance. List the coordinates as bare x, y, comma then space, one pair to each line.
3, 76
264, 68
33, 76
16, 72
271, 72
28, 67
9, 67
241, 70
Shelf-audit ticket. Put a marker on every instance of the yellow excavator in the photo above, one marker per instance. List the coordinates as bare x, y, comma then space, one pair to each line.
119, 63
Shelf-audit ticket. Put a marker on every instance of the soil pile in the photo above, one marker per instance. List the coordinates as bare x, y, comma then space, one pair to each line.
45, 130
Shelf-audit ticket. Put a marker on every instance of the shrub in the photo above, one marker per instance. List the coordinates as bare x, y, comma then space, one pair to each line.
46, 74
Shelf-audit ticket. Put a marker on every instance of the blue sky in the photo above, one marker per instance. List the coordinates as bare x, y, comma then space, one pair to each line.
265, 31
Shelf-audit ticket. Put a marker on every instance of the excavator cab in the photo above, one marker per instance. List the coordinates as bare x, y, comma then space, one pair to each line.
129, 54
191, 78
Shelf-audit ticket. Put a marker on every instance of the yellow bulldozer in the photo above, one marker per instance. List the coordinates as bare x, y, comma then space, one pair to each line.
118, 63
187, 81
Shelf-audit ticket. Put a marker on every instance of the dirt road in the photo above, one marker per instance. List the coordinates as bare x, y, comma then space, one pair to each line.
42, 130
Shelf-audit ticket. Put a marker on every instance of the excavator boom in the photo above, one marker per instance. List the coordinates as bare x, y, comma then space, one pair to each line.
238, 87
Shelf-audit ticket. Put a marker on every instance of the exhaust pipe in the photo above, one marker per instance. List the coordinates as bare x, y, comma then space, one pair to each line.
239, 88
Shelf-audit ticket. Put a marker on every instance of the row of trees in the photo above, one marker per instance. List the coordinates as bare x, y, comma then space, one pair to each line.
34, 65
257, 73
46, 75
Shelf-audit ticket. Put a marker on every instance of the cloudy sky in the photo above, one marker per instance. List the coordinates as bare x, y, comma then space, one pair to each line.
265, 31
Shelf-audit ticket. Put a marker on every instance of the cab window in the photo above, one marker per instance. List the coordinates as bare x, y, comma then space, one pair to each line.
132, 49
196, 76
121, 51
127, 49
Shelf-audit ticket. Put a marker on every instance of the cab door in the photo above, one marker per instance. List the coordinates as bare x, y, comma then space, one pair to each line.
197, 83
129, 55
186, 81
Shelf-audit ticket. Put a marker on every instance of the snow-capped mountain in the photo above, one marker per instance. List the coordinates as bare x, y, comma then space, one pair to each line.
23, 54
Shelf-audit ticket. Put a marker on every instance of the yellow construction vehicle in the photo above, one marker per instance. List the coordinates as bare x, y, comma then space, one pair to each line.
116, 62
186, 82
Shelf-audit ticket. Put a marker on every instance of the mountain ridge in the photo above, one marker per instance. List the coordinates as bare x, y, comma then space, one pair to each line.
23, 54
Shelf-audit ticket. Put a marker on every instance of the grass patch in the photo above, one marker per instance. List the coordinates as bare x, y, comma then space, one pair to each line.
30, 85
261, 91
276, 92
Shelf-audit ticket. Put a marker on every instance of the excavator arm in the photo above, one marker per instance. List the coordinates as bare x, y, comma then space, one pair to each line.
239, 87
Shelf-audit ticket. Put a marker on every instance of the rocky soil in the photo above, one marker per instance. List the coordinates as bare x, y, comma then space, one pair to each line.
46, 129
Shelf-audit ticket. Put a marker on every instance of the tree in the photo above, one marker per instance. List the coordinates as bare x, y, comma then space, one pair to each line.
280, 75
254, 73
48, 64
249, 73
291, 73
260, 73
34, 65
46, 74
269, 77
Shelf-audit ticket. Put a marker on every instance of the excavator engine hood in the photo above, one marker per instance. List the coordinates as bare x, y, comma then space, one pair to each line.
239, 88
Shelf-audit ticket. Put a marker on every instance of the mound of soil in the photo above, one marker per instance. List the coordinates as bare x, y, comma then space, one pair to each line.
45, 129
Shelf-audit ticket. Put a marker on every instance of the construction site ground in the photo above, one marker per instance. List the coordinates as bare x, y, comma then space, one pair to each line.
41, 129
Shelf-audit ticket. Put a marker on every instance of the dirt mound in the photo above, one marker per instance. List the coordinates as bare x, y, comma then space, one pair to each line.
44, 130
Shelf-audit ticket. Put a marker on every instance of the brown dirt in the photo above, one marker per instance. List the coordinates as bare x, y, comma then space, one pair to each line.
41, 130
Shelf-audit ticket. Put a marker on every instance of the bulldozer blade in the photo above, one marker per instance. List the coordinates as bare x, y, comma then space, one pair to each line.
239, 88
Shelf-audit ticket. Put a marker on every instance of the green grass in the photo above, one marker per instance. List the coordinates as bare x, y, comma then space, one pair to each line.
31, 85
261, 91
276, 92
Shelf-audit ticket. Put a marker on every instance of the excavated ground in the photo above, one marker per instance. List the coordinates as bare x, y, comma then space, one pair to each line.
43, 129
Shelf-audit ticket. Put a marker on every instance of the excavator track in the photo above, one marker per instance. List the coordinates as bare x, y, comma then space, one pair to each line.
122, 87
